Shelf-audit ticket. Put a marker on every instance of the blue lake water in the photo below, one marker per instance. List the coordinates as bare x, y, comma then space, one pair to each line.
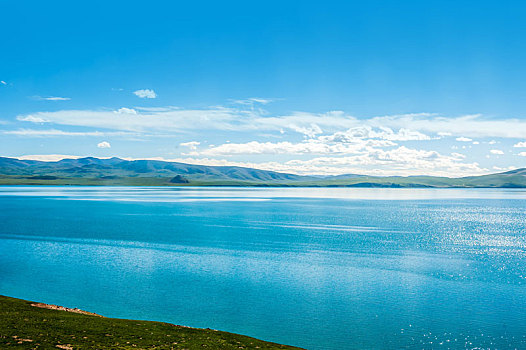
317, 268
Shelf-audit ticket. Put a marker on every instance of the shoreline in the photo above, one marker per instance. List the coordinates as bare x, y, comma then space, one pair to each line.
357, 186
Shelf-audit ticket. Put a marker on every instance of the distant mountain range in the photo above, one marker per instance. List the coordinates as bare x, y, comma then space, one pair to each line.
120, 172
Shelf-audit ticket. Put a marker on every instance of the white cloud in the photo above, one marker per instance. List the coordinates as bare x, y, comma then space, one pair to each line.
345, 143
359, 157
157, 109
52, 98
216, 118
321, 145
3, 82
47, 157
401, 161
32, 119
383, 133
104, 144
255, 147
55, 132
252, 100
167, 120
496, 151
458, 155
351, 141
191, 145
310, 131
504, 169
522, 154
125, 110
310, 124
145, 93
520, 144
469, 126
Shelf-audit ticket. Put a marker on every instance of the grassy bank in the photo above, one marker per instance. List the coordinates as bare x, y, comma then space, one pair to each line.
25, 326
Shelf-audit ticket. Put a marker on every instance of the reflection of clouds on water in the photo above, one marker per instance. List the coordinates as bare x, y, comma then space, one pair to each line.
164, 194
168, 200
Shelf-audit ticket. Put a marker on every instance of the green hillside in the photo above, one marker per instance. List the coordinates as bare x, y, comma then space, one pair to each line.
119, 172
28, 327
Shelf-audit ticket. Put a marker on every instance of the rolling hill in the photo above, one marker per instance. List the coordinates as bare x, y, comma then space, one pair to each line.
116, 171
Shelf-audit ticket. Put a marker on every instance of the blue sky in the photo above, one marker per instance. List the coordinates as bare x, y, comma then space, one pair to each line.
377, 87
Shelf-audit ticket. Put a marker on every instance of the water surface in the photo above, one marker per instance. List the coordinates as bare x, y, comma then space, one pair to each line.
317, 268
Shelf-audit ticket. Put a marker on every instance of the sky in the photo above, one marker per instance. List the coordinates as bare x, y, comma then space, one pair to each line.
325, 87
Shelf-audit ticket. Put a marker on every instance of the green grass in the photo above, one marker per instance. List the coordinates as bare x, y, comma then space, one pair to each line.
120, 181
27, 327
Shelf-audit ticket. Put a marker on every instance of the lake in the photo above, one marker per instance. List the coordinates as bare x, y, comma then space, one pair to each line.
318, 268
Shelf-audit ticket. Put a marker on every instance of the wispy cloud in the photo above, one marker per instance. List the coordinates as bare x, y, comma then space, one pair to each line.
496, 151
145, 93
468, 126
309, 131
32, 119
55, 132
254, 100
52, 98
421, 126
3, 82
166, 120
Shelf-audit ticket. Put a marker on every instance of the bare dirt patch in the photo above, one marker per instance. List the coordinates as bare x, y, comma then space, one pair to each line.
62, 308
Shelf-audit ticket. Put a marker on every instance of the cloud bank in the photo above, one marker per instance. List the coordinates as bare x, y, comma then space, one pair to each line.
333, 142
